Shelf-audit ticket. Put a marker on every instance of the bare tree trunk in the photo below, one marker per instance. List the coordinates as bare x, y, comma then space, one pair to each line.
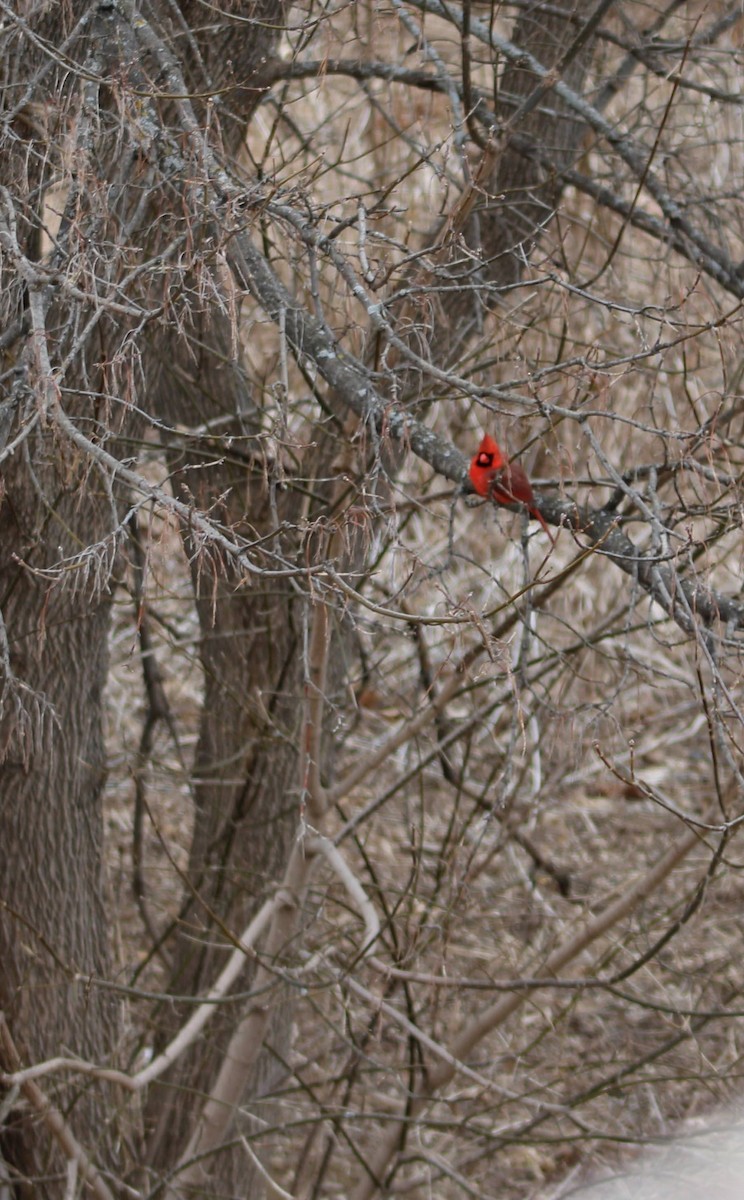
519, 196
245, 767
54, 933
483, 246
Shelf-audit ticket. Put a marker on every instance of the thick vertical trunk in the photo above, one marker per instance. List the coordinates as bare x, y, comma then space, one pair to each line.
53, 923
53, 926
53, 650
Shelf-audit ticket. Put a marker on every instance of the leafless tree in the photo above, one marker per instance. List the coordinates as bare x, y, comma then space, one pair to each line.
359, 840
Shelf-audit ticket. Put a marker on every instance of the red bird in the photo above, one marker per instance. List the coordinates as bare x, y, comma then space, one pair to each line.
503, 481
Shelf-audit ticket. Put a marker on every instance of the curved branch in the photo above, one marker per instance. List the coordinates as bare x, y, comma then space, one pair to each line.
682, 599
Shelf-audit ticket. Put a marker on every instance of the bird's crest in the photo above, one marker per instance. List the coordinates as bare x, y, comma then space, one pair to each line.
489, 455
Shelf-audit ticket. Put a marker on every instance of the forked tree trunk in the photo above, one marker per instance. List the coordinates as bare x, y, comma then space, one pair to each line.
53, 924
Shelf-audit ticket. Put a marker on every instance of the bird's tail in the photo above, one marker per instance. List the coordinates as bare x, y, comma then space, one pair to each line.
535, 512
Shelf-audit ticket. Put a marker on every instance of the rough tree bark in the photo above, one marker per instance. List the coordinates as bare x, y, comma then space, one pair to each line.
54, 505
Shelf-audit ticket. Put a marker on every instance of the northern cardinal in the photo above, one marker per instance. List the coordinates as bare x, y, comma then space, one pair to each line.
502, 481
